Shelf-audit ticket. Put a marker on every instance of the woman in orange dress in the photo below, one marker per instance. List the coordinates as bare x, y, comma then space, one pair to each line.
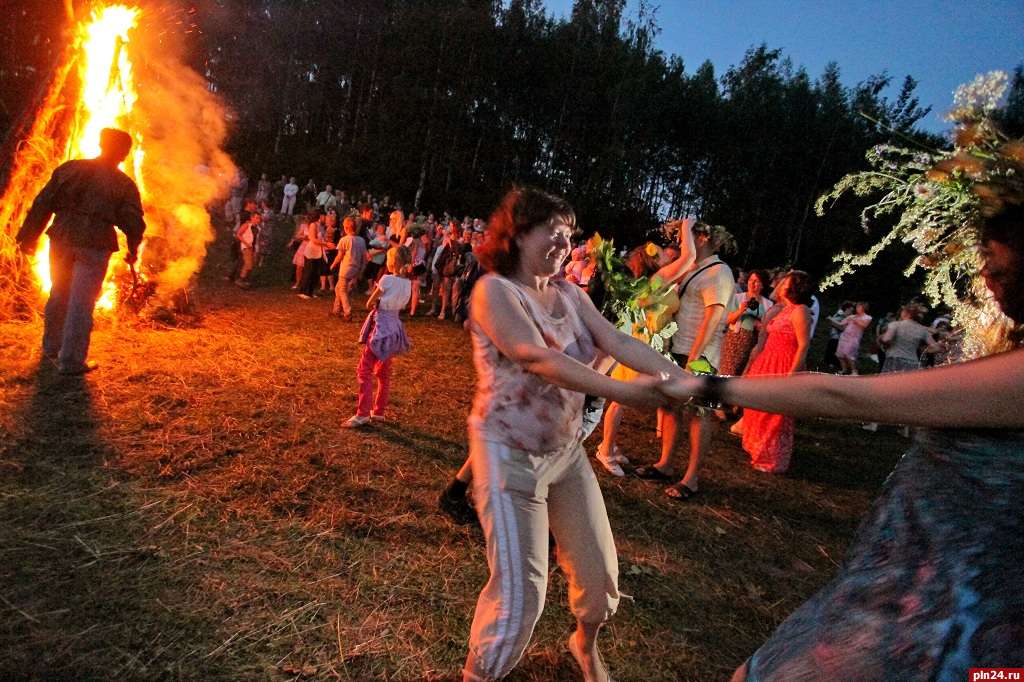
781, 350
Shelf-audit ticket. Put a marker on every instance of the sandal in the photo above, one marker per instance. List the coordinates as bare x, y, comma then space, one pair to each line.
612, 467
611, 461
680, 492
652, 473
617, 457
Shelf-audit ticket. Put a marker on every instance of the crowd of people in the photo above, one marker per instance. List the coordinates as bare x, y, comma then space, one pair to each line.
751, 322
340, 247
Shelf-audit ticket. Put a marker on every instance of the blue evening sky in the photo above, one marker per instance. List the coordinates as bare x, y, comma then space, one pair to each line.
941, 43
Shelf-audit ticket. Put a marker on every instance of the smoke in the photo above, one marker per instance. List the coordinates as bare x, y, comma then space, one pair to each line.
180, 127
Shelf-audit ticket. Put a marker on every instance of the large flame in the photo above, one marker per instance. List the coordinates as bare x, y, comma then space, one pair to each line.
177, 126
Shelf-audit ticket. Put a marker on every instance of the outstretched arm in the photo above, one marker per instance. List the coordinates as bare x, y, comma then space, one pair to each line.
501, 317
988, 394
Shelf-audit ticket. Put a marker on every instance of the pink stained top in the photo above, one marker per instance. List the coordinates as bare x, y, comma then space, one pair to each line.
519, 408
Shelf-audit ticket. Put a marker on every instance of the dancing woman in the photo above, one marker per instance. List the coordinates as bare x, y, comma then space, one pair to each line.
932, 584
536, 341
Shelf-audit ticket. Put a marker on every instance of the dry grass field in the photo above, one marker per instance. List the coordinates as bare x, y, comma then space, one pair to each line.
192, 510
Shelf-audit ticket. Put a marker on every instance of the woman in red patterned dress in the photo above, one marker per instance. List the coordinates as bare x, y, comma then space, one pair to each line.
781, 350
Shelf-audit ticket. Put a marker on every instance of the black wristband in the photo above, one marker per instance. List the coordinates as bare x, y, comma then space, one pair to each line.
711, 387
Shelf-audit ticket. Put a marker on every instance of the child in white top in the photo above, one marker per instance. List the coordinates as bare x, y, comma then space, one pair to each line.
383, 337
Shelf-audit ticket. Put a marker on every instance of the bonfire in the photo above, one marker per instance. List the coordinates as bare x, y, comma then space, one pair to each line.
122, 69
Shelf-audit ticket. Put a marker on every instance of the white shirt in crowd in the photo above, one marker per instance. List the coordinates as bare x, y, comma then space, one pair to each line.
713, 285
291, 189
325, 199
395, 292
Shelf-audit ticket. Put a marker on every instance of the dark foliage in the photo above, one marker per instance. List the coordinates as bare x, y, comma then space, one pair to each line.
444, 105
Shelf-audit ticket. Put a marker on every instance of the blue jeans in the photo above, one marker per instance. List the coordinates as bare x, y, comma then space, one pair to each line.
77, 274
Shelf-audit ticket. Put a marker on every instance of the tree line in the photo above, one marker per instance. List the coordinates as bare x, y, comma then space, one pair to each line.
443, 105
446, 104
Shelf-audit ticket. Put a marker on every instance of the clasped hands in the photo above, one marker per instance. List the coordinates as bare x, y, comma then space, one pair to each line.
666, 391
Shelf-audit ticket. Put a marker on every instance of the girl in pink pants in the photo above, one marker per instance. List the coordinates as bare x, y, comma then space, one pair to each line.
383, 337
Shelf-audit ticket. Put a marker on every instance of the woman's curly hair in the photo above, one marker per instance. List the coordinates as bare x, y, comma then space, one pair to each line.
520, 210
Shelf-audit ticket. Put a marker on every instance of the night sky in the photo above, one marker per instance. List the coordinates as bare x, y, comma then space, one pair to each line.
940, 43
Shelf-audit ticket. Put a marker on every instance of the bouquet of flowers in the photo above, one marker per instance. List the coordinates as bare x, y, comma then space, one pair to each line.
634, 304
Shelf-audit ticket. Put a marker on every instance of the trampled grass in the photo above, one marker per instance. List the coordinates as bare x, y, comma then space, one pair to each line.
193, 510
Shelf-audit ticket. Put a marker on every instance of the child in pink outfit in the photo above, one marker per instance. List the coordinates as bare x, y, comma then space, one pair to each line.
383, 337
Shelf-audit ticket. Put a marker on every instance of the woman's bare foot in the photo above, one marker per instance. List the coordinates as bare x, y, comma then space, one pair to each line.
589, 661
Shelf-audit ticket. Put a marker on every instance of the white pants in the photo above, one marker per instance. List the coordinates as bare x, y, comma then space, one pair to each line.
520, 496
288, 205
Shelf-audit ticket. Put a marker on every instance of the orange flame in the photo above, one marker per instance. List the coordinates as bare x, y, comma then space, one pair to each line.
177, 126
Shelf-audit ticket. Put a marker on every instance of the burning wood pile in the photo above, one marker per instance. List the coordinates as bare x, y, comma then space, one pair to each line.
122, 68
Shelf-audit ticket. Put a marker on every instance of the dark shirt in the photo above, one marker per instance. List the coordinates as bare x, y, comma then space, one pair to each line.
89, 199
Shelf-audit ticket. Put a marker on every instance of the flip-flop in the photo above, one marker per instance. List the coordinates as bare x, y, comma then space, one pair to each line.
652, 473
612, 468
680, 492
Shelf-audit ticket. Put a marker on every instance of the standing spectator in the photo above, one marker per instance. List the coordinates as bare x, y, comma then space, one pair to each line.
307, 196
290, 191
377, 250
325, 200
395, 221
277, 192
659, 309
851, 330
781, 350
350, 261
263, 188
749, 310
239, 187
444, 266
298, 245
266, 233
332, 234
471, 272
421, 251
343, 204
704, 296
903, 341
844, 311
248, 234
314, 247
383, 337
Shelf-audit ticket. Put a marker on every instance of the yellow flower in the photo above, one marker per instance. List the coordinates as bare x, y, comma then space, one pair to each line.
652, 250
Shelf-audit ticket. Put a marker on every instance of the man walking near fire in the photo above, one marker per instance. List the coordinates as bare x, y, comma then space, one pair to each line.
88, 198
